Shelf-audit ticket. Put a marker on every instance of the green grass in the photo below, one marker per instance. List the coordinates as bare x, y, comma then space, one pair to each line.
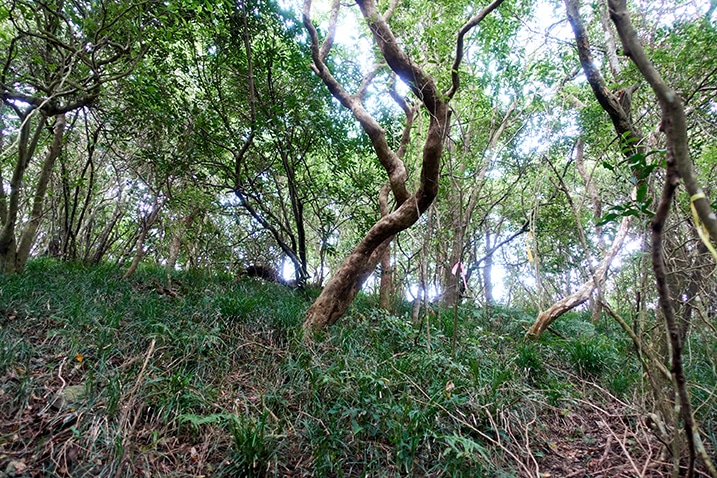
220, 381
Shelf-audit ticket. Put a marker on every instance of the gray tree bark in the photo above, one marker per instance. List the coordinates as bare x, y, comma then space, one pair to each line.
27, 144
28, 235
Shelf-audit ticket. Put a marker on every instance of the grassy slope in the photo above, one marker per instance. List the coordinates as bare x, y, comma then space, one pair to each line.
219, 382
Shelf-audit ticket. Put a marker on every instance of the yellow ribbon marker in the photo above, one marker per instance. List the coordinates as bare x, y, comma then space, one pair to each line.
528, 248
701, 229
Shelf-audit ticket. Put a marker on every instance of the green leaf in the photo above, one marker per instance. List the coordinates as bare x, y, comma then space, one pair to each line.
636, 160
608, 166
356, 428
641, 192
607, 218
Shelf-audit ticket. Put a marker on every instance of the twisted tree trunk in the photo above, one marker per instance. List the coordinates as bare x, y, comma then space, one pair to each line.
347, 280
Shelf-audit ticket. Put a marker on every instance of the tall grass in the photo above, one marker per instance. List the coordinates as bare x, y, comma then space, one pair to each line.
220, 381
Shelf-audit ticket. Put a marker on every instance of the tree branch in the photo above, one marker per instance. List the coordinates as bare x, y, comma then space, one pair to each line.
673, 114
468, 26
420, 83
410, 112
329, 40
395, 168
629, 134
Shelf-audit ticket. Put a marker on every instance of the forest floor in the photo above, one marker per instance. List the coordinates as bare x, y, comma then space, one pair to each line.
105, 377
600, 440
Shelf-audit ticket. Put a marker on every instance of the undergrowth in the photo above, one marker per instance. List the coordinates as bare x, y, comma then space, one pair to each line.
217, 379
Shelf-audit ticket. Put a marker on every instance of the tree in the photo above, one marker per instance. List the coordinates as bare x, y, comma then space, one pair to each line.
260, 120
679, 165
59, 56
350, 275
618, 107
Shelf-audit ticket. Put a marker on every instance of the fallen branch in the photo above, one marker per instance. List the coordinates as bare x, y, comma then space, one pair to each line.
568, 303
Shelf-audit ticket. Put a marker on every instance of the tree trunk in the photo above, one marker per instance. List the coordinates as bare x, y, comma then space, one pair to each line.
3, 196
596, 303
385, 290
28, 235
287, 246
103, 240
345, 283
610, 43
176, 243
452, 283
585, 291
146, 225
488, 273
297, 210
72, 221
26, 150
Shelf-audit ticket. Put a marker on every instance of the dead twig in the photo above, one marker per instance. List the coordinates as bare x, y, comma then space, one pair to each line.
128, 405
606, 452
624, 448
463, 422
